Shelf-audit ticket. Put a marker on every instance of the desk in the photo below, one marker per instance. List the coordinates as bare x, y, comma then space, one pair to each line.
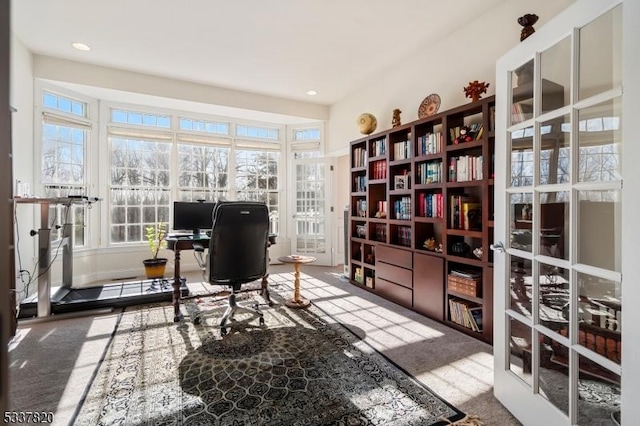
44, 246
177, 244
297, 301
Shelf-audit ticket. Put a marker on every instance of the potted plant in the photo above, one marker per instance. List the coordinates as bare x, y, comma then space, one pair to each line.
155, 266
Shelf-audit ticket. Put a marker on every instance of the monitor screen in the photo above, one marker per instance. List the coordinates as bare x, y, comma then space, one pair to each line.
192, 216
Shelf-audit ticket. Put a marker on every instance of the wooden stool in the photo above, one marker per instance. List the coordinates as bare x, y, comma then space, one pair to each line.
297, 301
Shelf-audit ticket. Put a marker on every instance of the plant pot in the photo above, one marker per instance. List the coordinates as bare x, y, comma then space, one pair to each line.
154, 268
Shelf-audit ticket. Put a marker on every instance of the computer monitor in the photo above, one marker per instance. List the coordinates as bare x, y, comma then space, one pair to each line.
192, 216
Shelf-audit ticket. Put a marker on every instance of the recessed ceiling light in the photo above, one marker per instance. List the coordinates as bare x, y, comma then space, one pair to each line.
81, 46
311, 92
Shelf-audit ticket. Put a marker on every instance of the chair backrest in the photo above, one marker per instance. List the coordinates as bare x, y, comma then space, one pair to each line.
238, 244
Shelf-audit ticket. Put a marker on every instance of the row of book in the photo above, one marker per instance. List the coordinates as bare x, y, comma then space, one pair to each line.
429, 172
379, 169
379, 147
381, 232
465, 168
361, 208
431, 143
402, 208
465, 212
402, 150
466, 315
430, 204
359, 157
403, 235
360, 183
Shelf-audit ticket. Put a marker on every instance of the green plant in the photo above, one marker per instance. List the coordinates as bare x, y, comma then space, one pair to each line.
155, 238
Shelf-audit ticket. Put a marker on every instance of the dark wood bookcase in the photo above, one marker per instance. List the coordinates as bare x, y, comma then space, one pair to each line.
414, 183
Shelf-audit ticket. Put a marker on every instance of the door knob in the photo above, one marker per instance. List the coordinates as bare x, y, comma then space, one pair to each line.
499, 247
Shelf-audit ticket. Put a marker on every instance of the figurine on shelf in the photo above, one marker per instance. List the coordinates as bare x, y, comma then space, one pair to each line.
381, 214
464, 136
395, 121
527, 21
475, 89
477, 252
430, 244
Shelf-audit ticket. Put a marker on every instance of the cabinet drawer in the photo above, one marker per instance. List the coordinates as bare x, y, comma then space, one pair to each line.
395, 274
394, 292
394, 256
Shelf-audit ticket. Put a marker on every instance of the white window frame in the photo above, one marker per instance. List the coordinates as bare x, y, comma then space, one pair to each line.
90, 122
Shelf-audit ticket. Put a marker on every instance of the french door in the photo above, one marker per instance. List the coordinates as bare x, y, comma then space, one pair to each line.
564, 223
311, 218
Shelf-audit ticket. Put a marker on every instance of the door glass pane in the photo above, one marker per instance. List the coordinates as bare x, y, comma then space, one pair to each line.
553, 377
600, 142
600, 314
554, 224
599, 401
521, 216
555, 155
555, 71
522, 157
554, 298
599, 229
520, 350
600, 54
522, 100
520, 285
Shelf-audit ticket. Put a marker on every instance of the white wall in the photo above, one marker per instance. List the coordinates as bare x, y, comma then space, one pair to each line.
21, 98
444, 67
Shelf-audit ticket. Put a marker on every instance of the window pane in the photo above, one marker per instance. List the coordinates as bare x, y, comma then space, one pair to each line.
600, 142
140, 183
555, 155
554, 224
522, 100
520, 350
520, 283
521, 220
522, 157
555, 70
599, 68
600, 315
599, 229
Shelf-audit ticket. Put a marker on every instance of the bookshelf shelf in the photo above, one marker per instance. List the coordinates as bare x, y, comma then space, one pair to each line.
449, 187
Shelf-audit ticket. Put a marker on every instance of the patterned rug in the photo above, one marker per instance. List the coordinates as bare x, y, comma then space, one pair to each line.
295, 370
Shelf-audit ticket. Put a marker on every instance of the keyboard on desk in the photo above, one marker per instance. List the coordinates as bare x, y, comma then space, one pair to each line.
188, 236
180, 236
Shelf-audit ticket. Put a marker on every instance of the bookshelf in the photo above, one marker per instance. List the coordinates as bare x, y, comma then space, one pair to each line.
422, 212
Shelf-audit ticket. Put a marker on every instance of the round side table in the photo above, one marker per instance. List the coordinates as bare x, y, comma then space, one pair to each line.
297, 301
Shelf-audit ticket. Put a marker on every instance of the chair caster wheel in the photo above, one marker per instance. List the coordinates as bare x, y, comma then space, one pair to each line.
223, 331
261, 321
197, 320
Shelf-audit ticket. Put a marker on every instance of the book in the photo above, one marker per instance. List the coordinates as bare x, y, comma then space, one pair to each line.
475, 315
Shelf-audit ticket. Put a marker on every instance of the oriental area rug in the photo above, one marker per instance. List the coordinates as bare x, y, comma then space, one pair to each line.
297, 369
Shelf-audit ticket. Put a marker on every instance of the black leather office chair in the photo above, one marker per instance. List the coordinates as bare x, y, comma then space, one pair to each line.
238, 252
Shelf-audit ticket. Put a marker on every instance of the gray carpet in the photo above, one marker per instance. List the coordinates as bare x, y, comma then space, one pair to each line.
455, 366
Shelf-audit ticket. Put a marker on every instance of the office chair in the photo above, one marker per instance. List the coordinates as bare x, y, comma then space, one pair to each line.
237, 252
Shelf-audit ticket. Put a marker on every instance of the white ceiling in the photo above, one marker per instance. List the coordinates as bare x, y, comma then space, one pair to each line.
280, 48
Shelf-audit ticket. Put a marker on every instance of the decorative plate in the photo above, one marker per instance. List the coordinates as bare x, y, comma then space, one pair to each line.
429, 106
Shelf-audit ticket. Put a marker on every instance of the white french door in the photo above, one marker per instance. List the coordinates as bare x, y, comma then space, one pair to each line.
564, 223
311, 206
